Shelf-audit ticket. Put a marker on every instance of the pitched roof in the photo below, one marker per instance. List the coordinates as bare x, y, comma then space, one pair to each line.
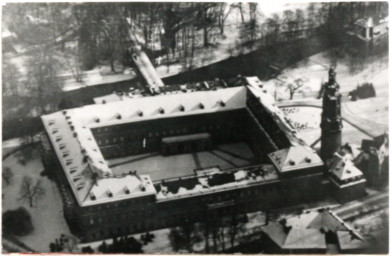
276, 233
305, 239
295, 157
350, 241
343, 168
308, 230
275, 112
327, 222
83, 163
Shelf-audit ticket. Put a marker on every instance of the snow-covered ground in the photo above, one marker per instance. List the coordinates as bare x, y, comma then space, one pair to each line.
224, 47
314, 71
47, 216
309, 119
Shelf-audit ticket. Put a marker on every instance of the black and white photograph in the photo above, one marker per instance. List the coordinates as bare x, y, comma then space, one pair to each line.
195, 127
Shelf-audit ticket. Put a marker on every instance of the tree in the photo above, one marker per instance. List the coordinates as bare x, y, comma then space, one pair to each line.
27, 152
42, 71
184, 237
223, 11
11, 77
236, 227
249, 29
294, 86
103, 247
300, 20
30, 191
206, 17
7, 175
125, 245
17, 222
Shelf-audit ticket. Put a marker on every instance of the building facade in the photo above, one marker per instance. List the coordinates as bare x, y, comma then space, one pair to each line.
101, 203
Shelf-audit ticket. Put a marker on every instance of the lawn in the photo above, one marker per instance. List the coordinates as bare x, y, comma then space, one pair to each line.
309, 119
47, 214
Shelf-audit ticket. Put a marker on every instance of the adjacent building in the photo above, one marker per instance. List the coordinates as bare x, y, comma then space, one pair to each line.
314, 231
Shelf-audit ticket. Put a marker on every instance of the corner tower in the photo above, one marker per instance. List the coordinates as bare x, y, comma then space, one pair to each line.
331, 123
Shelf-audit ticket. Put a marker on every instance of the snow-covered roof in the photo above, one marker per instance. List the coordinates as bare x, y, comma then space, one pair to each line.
308, 230
80, 156
350, 241
203, 183
199, 102
305, 239
294, 158
343, 168
90, 178
254, 85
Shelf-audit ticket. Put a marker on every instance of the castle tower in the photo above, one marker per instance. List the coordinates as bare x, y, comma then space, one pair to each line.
331, 123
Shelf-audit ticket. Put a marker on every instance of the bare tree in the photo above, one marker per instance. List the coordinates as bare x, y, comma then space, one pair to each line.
223, 11
7, 175
294, 86
42, 69
31, 191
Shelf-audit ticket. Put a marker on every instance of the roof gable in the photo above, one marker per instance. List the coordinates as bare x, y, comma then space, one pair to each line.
343, 168
295, 157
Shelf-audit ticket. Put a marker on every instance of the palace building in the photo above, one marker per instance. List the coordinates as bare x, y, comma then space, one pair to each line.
127, 166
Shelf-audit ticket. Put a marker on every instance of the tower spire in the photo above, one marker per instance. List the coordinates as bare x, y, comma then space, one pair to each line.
331, 123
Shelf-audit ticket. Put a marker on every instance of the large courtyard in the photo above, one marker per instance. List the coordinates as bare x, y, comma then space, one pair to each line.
226, 156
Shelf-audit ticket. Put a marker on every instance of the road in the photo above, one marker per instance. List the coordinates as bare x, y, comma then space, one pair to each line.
362, 207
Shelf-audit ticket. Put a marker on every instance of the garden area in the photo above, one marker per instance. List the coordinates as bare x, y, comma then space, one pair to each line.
38, 218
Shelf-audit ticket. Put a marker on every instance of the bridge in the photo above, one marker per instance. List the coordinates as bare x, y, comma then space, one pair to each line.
144, 65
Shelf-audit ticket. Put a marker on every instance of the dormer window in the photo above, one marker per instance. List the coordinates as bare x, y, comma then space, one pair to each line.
201, 106
75, 134
126, 190
142, 187
109, 193
291, 162
67, 117
81, 186
118, 116
181, 108
96, 119
92, 196
308, 160
140, 113
64, 112
222, 103
72, 128
103, 102
51, 122
161, 110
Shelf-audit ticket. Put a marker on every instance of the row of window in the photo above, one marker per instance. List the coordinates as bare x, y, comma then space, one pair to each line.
170, 220
134, 136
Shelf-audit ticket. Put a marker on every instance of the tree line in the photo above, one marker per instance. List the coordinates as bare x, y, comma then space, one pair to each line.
79, 36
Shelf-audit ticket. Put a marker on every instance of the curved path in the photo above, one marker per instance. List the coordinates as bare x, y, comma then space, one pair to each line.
365, 126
